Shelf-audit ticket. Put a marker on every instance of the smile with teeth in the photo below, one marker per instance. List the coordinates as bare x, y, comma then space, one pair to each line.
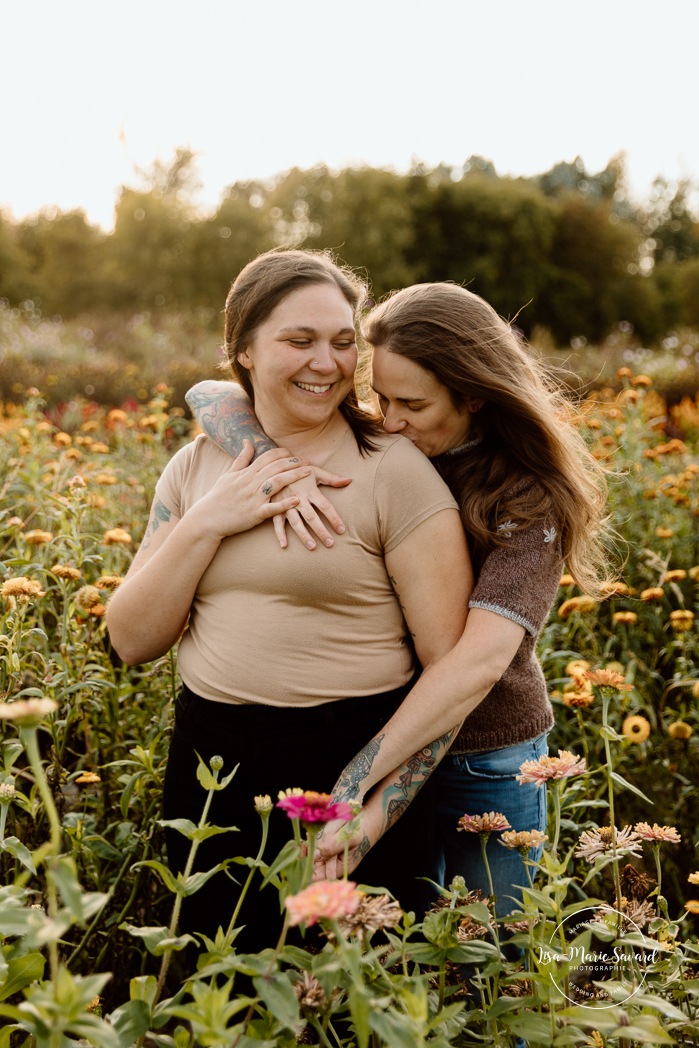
314, 389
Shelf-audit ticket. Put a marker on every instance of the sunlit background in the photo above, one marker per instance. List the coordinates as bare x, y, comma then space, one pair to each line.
92, 91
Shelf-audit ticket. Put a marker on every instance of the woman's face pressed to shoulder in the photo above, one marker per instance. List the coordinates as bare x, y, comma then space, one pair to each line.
302, 358
415, 404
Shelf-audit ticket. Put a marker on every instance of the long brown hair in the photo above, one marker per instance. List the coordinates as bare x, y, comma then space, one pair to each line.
526, 424
262, 285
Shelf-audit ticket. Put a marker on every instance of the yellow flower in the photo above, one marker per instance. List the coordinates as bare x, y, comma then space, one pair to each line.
576, 604
106, 478
567, 580
615, 589
109, 582
578, 699
576, 667
65, 571
652, 593
87, 598
626, 618
36, 537
682, 620
680, 730
694, 573
636, 728
676, 575
88, 778
694, 878
695, 690
64, 440
115, 536
664, 533
692, 905
642, 380
117, 415
100, 449
21, 586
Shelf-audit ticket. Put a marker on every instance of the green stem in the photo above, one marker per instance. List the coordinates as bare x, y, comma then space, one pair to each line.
610, 792
251, 874
31, 746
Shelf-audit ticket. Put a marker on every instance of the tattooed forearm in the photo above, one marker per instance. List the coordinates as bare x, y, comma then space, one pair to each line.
357, 854
395, 794
159, 514
227, 417
349, 785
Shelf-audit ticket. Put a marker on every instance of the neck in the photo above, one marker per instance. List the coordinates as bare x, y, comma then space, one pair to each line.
313, 443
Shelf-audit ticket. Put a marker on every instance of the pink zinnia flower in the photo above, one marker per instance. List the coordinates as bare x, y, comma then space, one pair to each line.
311, 807
323, 899
553, 768
489, 822
656, 834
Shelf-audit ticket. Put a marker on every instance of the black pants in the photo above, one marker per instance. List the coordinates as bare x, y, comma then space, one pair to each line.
278, 748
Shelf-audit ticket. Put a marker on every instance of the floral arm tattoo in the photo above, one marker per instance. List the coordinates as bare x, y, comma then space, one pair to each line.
402, 785
227, 417
348, 786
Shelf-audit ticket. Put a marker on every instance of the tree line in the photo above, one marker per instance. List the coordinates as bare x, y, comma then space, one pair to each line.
566, 250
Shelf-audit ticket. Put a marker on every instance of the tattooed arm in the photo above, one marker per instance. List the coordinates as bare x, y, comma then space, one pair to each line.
224, 412
227, 417
446, 693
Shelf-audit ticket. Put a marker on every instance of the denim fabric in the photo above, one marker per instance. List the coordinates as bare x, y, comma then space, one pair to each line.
474, 783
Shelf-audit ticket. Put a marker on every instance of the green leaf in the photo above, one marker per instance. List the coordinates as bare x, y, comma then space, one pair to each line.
625, 785
79, 904
184, 826
168, 878
130, 1021
157, 940
277, 993
13, 846
21, 971
290, 853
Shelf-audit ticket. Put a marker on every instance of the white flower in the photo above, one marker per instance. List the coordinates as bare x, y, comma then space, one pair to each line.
549, 534
507, 528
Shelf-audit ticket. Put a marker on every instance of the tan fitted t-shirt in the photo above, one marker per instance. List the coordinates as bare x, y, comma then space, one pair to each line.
294, 627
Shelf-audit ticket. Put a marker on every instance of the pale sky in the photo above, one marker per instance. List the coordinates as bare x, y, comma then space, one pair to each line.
92, 88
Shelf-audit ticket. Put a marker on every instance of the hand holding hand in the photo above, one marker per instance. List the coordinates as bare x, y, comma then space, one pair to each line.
310, 499
243, 496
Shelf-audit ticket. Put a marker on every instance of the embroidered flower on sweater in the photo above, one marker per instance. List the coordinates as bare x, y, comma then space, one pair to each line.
549, 534
507, 528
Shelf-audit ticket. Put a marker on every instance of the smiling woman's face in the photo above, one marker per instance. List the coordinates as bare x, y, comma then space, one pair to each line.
302, 358
416, 405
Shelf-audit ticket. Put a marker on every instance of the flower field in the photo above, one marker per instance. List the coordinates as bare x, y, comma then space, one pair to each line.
90, 951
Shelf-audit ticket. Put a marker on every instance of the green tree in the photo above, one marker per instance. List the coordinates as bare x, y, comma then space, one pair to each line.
15, 264
594, 270
147, 251
493, 235
64, 253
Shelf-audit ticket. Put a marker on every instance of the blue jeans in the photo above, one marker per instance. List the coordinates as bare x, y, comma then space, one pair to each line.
474, 783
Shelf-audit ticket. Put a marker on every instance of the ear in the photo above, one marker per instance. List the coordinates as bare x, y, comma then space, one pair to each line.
474, 405
244, 359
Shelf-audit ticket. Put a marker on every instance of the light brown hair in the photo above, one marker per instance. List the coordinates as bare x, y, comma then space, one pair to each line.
526, 423
262, 285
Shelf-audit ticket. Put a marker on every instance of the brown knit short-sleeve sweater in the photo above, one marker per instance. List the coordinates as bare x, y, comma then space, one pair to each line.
519, 580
